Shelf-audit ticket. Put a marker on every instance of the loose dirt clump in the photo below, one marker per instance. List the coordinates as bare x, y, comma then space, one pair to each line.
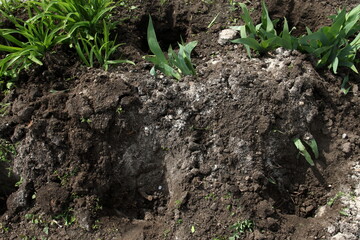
124, 155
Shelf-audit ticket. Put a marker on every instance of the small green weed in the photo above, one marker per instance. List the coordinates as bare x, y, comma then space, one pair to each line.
67, 217
211, 196
3, 228
179, 221
4, 108
120, 110
332, 200
178, 204
241, 227
192, 229
7, 150
85, 120
176, 65
345, 212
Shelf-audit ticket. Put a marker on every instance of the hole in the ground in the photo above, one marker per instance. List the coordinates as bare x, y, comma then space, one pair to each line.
166, 33
7, 182
295, 187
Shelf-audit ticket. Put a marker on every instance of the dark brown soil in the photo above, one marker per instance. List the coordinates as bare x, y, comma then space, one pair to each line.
124, 155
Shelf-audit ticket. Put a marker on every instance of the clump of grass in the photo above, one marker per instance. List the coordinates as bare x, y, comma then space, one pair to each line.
84, 24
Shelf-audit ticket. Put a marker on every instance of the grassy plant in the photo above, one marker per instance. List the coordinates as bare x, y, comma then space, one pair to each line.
85, 15
10, 6
84, 23
29, 41
176, 65
333, 45
263, 36
99, 49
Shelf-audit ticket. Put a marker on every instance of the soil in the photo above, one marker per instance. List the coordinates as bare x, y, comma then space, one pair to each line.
124, 155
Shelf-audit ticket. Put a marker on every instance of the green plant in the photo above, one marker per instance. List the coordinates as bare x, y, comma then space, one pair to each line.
67, 217
99, 48
302, 150
211, 196
241, 227
192, 229
263, 36
7, 150
119, 110
333, 45
10, 6
332, 200
86, 16
29, 41
4, 109
179, 221
178, 204
176, 65
85, 120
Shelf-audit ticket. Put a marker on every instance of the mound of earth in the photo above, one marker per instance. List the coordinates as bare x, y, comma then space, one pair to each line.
124, 155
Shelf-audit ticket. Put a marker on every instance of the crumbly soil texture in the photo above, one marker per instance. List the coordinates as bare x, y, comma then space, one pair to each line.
125, 155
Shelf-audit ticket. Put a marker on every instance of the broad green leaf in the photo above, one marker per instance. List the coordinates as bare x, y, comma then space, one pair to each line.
265, 19
247, 19
335, 65
153, 43
300, 146
252, 43
343, 85
314, 147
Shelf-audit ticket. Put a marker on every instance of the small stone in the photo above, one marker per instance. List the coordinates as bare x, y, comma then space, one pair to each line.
226, 35
344, 135
331, 229
308, 209
194, 146
346, 147
214, 206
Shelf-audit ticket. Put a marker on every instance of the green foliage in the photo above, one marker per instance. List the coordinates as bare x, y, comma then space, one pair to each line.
67, 217
332, 200
98, 48
175, 65
85, 15
241, 227
10, 6
332, 45
84, 24
263, 36
302, 150
29, 41
6, 150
